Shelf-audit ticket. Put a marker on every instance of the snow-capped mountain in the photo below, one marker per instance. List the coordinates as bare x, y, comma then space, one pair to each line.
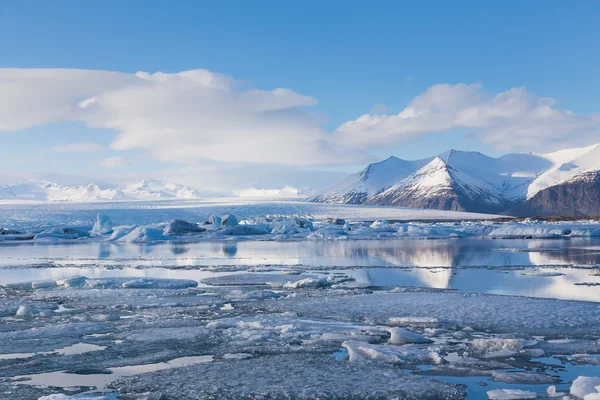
374, 179
440, 186
577, 196
460, 180
152, 189
40, 190
49, 191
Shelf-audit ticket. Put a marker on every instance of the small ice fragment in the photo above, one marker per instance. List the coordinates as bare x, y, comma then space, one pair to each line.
498, 347
403, 336
25, 310
510, 394
308, 283
551, 391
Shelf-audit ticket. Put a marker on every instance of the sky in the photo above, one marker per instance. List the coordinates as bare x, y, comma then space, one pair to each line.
226, 95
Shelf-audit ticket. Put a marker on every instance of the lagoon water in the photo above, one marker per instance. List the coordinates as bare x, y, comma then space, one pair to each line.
551, 268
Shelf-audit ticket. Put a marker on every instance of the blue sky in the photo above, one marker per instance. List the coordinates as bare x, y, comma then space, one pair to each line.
348, 57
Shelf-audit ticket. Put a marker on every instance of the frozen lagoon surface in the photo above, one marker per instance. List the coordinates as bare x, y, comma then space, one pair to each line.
382, 310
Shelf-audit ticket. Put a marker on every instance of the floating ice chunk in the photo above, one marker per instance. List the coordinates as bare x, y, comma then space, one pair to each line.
74, 281
246, 229
585, 359
429, 230
46, 284
510, 394
335, 221
292, 226
26, 311
551, 392
525, 378
543, 273
181, 227
359, 351
496, 347
542, 230
414, 321
533, 352
17, 285
309, 283
102, 226
229, 220
403, 336
585, 385
61, 233
143, 234
120, 232
333, 232
4, 231
214, 220
381, 224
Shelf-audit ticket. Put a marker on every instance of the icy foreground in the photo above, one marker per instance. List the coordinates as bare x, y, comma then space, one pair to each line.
303, 376
282, 335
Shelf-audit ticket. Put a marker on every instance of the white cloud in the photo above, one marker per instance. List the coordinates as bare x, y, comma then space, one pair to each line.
194, 116
184, 117
78, 148
113, 162
514, 119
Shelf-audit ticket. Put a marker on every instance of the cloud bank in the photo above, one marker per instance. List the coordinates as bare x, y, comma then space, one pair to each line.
194, 116
184, 117
511, 120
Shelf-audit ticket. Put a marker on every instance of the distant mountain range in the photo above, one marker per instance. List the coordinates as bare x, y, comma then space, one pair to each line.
566, 182
150, 189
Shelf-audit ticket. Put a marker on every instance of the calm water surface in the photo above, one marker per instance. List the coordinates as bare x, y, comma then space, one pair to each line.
565, 269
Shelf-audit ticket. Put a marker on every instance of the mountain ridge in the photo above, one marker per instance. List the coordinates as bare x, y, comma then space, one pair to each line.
145, 189
467, 180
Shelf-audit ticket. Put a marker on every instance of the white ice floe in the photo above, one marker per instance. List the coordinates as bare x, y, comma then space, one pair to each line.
403, 336
496, 347
584, 386
310, 283
510, 394
359, 351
